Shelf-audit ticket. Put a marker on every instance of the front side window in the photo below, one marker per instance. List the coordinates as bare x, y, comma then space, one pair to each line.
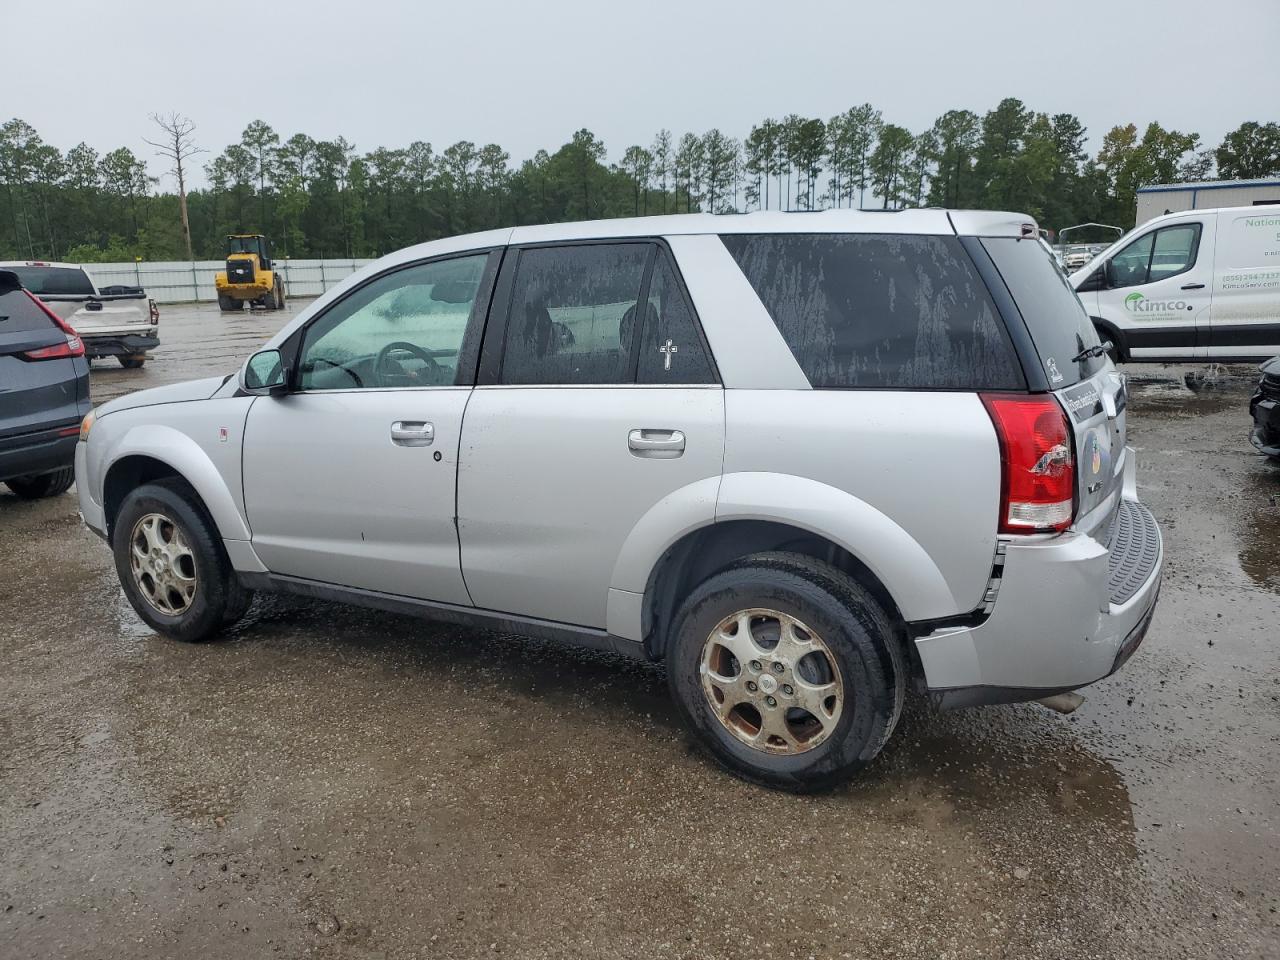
671, 348
568, 310
1174, 251
880, 311
404, 329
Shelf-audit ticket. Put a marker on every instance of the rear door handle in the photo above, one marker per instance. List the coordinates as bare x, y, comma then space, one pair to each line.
1193, 286
412, 433
656, 444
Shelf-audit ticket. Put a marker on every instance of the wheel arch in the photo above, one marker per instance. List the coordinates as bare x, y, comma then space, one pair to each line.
153, 452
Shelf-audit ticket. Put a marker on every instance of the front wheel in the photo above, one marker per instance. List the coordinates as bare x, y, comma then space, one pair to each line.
229, 304
787, 671
171, 563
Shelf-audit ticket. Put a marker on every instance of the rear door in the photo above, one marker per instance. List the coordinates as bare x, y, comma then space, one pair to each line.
1087, 386
35, 394
590, 410
1246, 284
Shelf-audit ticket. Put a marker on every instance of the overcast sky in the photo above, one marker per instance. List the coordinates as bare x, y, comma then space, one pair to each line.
527, 74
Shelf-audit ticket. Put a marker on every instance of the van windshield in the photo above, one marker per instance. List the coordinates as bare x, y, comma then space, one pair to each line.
1058, 322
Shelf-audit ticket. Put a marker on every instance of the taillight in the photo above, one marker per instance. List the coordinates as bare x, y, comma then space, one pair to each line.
1038, 464
155, 311
74, 347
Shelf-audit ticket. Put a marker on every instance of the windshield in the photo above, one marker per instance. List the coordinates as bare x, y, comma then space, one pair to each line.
1059, 325
54, 281
243, 244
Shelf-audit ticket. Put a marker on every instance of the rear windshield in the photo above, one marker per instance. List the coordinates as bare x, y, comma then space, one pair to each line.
19, 315
880, 310
1059, 325
54, 280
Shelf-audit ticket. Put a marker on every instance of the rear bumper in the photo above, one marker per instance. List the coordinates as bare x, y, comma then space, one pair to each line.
1070, 610
1266, 424
40, 452
120, 344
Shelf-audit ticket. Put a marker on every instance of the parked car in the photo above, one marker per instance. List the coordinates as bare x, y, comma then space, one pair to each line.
1265, 410
44, 393
808, 461
1196, 285
117, 321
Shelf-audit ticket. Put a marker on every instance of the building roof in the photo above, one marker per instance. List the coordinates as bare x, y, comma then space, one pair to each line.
1210, 185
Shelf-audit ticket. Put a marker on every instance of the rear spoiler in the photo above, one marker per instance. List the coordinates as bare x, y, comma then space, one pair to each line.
9, 281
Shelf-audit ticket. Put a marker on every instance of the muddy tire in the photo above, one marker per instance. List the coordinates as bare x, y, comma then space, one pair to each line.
787, 671
133, 361
43, 485
171, 563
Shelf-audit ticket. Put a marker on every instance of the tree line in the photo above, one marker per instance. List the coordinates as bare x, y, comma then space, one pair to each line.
324, 198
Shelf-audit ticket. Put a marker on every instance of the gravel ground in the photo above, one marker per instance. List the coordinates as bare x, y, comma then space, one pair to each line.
331, 782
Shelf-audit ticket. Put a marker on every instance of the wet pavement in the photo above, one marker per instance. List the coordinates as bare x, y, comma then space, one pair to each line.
331, 782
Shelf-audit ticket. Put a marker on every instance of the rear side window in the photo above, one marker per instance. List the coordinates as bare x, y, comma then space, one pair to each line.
569, 307
671, 350
18, 314
59, 281
880, 310
1059, 326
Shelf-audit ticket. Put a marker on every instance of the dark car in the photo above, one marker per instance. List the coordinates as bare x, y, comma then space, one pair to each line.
1265, 408
44, 393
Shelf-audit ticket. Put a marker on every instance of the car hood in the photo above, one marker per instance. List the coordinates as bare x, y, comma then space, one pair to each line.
173, 393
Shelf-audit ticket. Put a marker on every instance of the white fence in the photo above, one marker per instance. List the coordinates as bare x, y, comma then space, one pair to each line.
183, 281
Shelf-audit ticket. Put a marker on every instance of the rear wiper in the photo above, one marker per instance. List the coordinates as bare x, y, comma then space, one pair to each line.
1096, 350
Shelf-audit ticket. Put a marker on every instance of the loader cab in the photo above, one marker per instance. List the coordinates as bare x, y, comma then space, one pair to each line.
256, 244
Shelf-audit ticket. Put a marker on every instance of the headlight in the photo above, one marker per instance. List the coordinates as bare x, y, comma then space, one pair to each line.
87, 424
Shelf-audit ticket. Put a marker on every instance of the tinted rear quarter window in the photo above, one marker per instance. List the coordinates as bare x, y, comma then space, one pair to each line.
880, 310
19, 315
1059, 326
64, 281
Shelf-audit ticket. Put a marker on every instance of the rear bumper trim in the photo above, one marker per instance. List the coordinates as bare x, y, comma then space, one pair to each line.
117, 345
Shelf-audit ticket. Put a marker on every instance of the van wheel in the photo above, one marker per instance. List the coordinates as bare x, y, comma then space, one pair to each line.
43, 485
133, 361
787, 671
171, 563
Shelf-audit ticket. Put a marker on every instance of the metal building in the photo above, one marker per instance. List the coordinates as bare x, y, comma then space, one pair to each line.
1162, 198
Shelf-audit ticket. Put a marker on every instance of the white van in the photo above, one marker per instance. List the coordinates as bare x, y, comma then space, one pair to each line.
1196, 285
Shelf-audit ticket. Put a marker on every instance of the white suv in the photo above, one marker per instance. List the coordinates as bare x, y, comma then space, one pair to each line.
807, 460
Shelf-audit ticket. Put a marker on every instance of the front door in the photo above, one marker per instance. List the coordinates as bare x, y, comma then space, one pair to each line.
1160, 294
599, 412
351, 477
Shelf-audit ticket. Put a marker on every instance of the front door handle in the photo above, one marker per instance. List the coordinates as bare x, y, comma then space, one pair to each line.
1193, 286
656, 444
412, 433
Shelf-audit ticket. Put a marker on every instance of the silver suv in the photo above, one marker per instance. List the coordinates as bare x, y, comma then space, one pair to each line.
806, 460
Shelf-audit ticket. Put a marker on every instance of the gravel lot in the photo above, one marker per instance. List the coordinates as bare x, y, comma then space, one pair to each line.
331, 782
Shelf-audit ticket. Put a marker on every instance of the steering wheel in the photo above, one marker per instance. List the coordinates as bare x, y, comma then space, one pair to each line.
412, 348
333, 363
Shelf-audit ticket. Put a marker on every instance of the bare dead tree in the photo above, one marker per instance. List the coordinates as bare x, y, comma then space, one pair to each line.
178, 147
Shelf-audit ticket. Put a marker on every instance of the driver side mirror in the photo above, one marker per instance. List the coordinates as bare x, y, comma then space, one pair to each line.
263, 374
1108, 271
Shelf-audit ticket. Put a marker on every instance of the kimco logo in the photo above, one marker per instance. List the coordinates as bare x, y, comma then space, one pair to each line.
1137, 303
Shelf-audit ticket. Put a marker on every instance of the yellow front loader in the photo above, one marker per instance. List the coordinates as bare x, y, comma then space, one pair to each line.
249, 277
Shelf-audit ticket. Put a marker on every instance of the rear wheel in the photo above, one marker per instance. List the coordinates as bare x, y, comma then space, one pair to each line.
279, 294
132, 361
229, 304
172, 566
787, 671
43, 485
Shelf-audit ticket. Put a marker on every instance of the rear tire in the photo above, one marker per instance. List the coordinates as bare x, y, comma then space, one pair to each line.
229, 304
43, 485
847, 656
172, 566
133, 361
279, 294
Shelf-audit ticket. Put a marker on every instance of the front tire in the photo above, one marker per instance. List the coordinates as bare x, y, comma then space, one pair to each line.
229, 304
43, 485
787, 671
172, 566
